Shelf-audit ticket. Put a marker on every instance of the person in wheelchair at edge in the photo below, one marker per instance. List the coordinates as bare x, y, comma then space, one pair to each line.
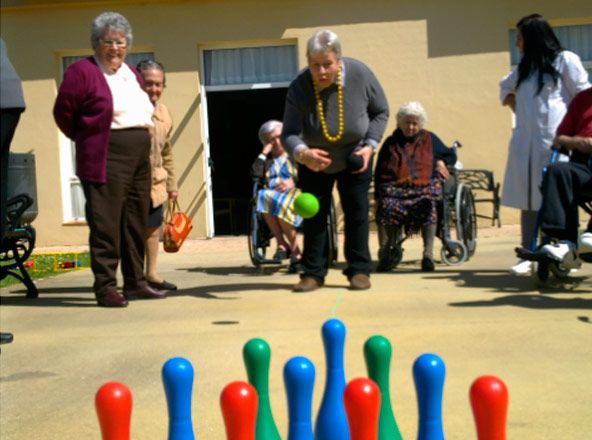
276, 201
408, 178
335, 116
565, 182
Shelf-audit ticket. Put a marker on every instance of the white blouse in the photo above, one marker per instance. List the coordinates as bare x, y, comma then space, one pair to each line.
131, 105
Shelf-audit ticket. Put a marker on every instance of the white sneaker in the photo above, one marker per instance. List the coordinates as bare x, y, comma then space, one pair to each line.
559, 251
585, 243
522, 268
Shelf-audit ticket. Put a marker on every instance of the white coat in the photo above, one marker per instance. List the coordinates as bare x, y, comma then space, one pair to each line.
537, 119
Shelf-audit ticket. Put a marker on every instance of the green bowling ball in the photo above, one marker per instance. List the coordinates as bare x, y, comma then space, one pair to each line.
306, 205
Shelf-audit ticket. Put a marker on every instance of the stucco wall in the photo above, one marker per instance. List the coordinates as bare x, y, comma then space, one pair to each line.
448, 55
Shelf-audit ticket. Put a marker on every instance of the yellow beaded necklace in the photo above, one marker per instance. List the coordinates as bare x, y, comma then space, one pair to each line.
339, 134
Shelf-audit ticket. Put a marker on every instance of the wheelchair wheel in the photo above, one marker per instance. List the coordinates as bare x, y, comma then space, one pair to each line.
559, 271
466, 218
258, 237
332, 233
454, 253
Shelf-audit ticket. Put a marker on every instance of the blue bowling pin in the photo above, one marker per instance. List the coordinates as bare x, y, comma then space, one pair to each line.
299, 376
429, 372
332, 421
177, 375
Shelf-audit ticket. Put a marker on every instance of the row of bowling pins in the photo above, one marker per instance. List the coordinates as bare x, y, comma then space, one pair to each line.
346, 412
334, 421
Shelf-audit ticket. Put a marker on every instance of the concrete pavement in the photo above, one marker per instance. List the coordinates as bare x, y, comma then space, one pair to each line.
477, 317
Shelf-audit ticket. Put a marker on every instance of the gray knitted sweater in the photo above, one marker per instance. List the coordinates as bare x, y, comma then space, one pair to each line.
365, 113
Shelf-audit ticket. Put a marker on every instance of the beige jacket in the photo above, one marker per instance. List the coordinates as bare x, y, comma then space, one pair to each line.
161, 156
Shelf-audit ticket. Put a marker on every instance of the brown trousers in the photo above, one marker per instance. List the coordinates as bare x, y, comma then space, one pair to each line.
117, 211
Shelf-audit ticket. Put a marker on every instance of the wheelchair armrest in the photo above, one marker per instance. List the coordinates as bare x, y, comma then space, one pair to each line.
16, 207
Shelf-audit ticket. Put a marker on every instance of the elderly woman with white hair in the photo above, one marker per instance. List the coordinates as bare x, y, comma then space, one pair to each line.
101, 106
335, 116
275, 201
407, 184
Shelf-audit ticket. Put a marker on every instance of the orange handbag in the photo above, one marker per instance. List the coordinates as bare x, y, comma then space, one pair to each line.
176, 227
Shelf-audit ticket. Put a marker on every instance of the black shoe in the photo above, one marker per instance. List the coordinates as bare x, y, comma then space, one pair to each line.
6, 338
385, 260
281, 254
384, 265
427, 264
163, 285
295, 266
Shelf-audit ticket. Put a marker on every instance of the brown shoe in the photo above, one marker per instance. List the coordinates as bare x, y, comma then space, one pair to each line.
359, 281
146, 293
307, 284
111, 299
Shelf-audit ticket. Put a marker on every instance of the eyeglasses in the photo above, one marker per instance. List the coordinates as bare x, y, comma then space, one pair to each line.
111, 43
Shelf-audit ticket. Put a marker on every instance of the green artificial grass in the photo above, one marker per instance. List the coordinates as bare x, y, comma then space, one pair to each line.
47, 265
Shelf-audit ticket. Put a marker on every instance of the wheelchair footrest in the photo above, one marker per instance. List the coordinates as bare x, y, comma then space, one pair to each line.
527, 254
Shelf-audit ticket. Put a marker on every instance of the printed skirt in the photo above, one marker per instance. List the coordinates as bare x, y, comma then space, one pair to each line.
410, 206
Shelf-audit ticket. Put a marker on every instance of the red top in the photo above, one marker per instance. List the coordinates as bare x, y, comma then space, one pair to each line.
578, 121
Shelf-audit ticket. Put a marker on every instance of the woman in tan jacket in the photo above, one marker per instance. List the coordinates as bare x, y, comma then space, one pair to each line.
164, 182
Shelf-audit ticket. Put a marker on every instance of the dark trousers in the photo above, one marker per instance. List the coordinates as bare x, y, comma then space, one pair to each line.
117, 211
563, 185
353, 193
9, 118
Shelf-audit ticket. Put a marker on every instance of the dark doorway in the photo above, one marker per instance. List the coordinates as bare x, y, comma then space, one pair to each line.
234, 118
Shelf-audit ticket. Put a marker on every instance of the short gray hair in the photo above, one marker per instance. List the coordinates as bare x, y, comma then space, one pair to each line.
151, 65
267, 128
110, 21
412, 108
322, 41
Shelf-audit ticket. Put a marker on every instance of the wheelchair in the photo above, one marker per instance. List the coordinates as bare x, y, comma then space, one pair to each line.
549, 270
260, 236
18, 242
457, 222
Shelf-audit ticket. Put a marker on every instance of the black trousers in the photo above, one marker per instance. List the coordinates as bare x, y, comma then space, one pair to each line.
353, 193
117, 212
563, 184
9, 118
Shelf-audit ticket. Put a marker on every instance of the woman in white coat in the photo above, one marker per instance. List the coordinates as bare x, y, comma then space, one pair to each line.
538, 91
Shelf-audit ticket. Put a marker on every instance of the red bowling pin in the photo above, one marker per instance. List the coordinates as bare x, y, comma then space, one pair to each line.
489, 399
113, 403
239, 409
362, 404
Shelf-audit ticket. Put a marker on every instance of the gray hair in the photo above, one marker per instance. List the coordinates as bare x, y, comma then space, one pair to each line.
110, 21
267, 128
412, 108
322, 41
151, 65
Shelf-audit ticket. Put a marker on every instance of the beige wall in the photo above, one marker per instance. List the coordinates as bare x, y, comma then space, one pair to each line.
448, 55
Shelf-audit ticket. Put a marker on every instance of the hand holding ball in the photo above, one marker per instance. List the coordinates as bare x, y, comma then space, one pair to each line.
306, 205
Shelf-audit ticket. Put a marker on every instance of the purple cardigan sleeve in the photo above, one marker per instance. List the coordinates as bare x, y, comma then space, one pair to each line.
68, 101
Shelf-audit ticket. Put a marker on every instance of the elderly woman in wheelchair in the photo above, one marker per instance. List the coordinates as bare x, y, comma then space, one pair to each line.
408, 183
275, 199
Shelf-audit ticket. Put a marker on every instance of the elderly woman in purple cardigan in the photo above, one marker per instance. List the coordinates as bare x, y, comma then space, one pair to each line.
101, 106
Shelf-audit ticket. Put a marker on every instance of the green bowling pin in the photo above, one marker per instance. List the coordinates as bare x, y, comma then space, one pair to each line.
257, 356
377, 352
